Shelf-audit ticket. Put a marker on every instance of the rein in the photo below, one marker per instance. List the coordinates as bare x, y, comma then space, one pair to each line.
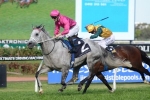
42, 41
51, 50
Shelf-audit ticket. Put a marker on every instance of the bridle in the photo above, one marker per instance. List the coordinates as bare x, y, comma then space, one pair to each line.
51, 39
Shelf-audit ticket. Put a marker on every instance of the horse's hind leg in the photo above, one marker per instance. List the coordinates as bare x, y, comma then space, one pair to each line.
143, 70
75, 76
141, 73
143, 77
40, 71
102, 78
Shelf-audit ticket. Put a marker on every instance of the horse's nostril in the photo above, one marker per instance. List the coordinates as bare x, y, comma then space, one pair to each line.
29, 43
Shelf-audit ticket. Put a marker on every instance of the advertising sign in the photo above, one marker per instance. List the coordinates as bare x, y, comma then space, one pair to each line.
21, 44
123, 75
119, 16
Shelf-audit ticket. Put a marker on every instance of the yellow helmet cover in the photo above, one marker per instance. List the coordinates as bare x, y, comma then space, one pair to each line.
90, 28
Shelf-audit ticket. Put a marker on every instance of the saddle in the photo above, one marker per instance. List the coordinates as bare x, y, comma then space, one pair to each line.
80, 46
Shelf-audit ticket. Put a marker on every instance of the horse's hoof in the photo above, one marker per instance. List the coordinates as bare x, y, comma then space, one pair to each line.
41, 92
111, 91
79, 88
146, 82
70, 83
60, 90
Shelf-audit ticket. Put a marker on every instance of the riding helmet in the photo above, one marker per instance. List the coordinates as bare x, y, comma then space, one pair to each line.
54, 13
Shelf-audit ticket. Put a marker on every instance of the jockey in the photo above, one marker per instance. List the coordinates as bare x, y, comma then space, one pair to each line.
105, 33
70, 27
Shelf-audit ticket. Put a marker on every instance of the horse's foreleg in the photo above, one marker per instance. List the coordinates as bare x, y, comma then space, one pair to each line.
75, 76
87, 84
81, 83
40, 71
37, 80
63, 79
87, 78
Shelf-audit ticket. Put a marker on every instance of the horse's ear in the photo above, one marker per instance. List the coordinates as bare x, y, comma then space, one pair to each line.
41, 27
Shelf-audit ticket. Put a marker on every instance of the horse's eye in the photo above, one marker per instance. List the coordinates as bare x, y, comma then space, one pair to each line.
36, 34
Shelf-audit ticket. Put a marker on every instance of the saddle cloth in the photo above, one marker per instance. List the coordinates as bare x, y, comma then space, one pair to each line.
81, 47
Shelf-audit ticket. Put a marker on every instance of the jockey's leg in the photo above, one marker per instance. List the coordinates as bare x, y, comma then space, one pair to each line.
75, 43
71, 36
111, 49
73, 49
107, 41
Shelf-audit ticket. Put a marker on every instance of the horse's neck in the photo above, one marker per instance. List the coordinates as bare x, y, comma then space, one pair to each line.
47, 46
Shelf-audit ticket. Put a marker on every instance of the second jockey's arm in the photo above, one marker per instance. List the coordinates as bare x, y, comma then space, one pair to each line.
98, 32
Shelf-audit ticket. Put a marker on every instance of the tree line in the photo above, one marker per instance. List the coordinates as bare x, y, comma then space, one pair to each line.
142, 31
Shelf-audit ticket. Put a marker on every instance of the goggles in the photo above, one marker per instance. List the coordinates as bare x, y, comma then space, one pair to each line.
53, 17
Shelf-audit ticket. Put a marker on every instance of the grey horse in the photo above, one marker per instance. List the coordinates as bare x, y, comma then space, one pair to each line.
56, 56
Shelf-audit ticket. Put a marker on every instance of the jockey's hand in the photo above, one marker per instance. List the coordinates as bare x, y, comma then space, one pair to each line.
59, 36
54, 36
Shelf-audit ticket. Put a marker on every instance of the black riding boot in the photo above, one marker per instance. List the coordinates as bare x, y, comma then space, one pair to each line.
73, 49
111, 50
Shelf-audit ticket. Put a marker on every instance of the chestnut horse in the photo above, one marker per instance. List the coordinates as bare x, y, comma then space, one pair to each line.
127, 52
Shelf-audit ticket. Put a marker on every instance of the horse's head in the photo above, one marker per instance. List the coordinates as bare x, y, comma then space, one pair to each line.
37, 36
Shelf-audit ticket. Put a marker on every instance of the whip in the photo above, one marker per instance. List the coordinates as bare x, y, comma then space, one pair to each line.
100, 20
97, 21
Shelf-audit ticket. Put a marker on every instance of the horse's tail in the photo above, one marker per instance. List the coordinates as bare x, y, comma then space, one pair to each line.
114, 62
144, 57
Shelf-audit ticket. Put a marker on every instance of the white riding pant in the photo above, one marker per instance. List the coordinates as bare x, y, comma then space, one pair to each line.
73, 31
107, 41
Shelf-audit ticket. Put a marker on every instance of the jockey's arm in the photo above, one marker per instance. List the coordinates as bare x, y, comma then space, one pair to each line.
98, 32
57, 29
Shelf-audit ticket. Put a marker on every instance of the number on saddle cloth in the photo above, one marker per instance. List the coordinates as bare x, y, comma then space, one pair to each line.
75, 43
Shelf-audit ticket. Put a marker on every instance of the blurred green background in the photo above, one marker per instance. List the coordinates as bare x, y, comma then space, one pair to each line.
16, 22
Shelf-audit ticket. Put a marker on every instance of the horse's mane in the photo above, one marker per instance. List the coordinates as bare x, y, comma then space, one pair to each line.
43, 29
